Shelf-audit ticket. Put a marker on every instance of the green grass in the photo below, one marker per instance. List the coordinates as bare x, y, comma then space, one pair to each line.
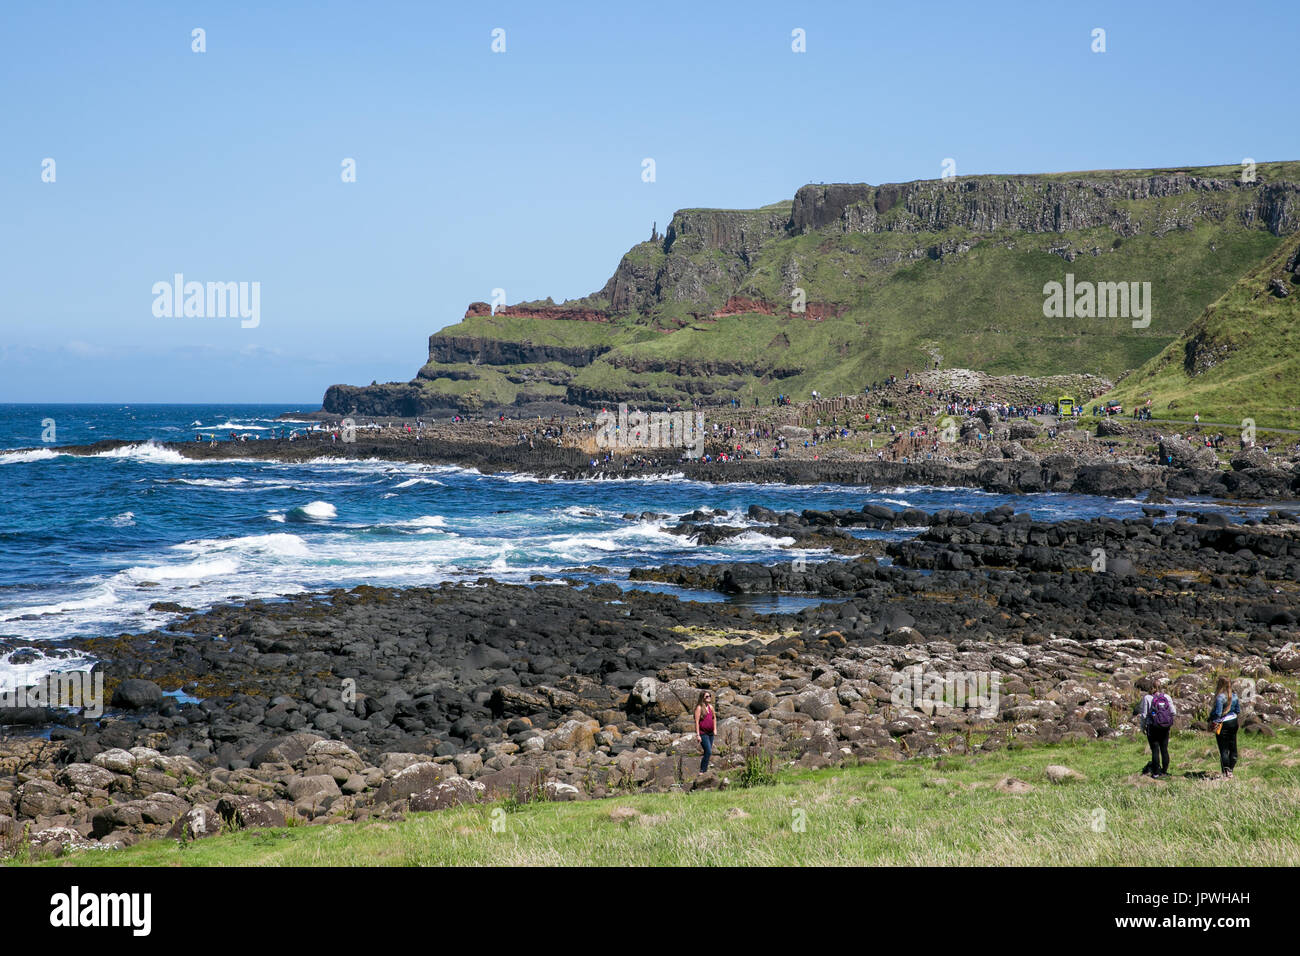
944, 811
1251, 343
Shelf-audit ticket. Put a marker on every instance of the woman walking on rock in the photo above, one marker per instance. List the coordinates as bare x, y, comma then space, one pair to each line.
1224, 717
704, 727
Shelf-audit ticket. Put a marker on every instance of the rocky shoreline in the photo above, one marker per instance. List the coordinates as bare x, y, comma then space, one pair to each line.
375, 702
1191, 470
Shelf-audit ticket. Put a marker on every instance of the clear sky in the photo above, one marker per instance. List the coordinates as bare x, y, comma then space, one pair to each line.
521, 170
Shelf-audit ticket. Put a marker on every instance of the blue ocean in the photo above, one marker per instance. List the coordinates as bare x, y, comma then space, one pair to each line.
88, 543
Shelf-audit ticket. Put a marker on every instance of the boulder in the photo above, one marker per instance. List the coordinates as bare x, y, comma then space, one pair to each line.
819, 703
452, 792
1180, 453
390, 763
195, 824
116, 760
1287, 659
38, 798
412, 779
84, 777
314, 788
577, 735
560, 792
673, 699
1252, 457
519, 782
58, 840
159, 809
643, 694
243, 813
287, 750
136, 694
334, 752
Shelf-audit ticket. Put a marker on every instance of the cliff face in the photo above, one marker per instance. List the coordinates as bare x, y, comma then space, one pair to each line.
850, 282
476, 350
1035, 205
681, 269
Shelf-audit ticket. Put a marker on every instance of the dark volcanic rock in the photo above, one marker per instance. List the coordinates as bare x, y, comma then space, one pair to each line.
136, 694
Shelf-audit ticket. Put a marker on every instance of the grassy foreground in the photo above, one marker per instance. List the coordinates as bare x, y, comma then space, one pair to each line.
946, 811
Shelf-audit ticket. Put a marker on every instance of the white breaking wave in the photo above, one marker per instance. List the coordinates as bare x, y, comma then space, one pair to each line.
14, 675
418, 481
645, 537
212, 482
33, 454
651, 479
280, 544
191, 571
424, 521
314, 511
147, 452
103, 596
756, 539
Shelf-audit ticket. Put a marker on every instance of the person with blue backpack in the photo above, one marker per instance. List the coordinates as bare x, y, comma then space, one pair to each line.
1157, 713
1225, 714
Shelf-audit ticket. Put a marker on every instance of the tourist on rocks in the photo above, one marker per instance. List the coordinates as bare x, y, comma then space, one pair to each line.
1224, 716
705, 723
1157, 719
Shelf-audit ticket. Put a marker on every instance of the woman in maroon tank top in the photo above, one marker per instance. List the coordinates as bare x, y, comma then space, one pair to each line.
705, 723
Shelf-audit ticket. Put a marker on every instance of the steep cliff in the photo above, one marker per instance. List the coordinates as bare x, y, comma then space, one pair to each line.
1038, 204
848, 283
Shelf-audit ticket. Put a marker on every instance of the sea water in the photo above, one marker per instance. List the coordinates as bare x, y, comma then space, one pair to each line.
88, 543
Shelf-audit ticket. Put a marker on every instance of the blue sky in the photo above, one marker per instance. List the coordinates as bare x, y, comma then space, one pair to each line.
520, 170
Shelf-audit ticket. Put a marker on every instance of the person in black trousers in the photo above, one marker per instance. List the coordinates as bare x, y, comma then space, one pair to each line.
1157, 722
1225, 714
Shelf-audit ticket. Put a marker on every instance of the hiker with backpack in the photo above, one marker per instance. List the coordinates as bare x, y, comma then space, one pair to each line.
1157, 713
1225, 714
